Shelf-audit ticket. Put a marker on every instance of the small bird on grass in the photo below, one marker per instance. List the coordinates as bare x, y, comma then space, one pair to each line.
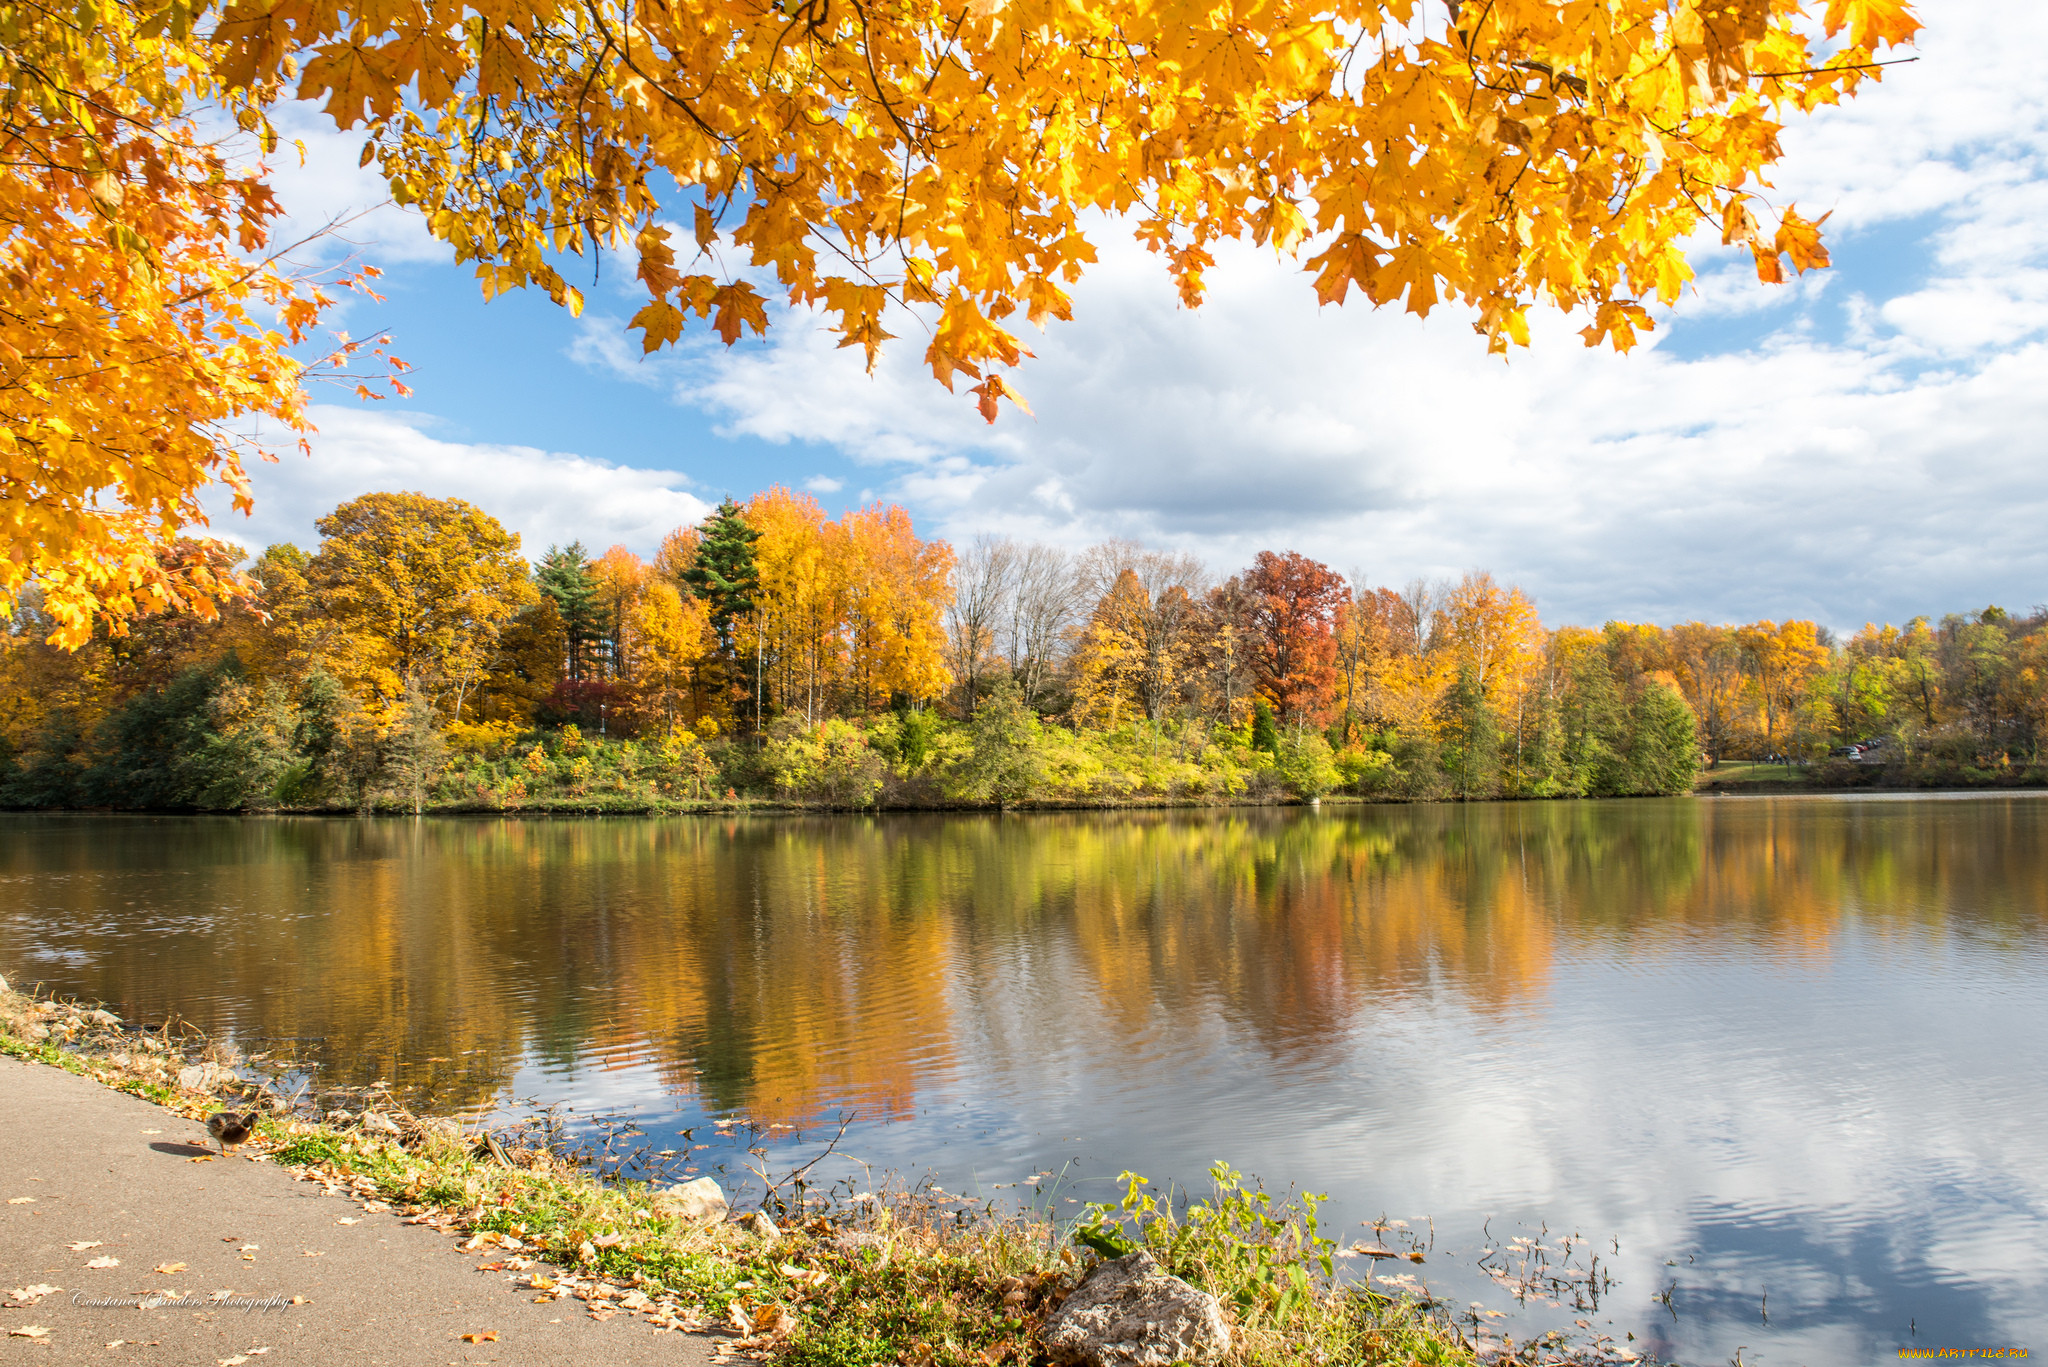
231, 1129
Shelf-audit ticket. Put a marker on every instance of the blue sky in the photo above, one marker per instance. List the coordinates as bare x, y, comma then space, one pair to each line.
1864, 444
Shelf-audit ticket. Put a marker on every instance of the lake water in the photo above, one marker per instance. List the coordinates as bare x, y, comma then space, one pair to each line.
1781, 1060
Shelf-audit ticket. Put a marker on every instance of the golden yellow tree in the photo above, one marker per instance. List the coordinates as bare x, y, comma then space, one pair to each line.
619, 577
672, 636
797, 609
145, 319
1496, 630
417, 590
1781, 659
897, 589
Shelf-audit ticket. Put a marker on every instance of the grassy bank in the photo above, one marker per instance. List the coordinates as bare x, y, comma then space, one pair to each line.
1843, 776
903, 1275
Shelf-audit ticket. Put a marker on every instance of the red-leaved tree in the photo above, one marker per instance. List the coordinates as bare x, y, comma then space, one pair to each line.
1293, 612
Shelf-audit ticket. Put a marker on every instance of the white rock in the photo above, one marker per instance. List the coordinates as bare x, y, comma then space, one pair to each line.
757, 1223
380, 1123
696, 1201
1133, 1313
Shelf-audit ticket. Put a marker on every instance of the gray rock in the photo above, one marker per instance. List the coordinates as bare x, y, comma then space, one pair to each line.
700, 1201
1133, 1313
379, 1123
200, 1077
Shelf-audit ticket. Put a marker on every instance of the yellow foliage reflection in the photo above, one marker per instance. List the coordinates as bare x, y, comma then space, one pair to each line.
788, 968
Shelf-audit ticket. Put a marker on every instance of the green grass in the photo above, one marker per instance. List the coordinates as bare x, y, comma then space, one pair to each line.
1730, 773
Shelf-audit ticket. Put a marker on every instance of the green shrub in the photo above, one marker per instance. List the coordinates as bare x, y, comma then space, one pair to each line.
828, 763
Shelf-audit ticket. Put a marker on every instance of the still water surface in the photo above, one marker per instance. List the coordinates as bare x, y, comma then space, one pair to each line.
1783, 1058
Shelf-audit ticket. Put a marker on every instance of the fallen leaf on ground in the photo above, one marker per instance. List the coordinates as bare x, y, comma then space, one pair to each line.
83, 1244
490, 1267
168, 1268
29, 1331
348, 1220
203, 1158
147, 1132
250, 1248
481, 1336
20, 1200
104, 1261
236, 1361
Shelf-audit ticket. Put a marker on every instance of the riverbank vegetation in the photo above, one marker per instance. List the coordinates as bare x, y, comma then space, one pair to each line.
774, 654
897, 1275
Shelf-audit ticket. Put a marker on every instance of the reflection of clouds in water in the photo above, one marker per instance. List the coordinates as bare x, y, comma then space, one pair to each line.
1778, 1036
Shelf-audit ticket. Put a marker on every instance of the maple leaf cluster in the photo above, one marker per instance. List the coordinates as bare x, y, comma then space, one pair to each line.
948, 155
848, 157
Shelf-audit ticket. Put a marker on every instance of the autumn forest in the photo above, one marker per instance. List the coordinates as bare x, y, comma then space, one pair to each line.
415, 660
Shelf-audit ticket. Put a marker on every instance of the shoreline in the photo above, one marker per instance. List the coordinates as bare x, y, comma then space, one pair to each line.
903, 1274
774, 807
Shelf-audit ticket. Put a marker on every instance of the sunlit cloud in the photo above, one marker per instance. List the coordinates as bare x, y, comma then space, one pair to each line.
549, 498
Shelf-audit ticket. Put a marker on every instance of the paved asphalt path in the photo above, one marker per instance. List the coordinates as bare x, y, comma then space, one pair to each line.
107, 1167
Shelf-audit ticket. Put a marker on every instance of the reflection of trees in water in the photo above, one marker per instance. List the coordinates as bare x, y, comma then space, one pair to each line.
783, 966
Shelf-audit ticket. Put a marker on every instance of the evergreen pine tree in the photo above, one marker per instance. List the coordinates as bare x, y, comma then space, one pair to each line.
723, 574
1471, 738
1664, 752
1595, 729
414, 751
1265, 735
564, 576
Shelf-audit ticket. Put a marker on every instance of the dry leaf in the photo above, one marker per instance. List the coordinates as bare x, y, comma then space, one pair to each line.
348, 1220
21, 1200
168, 1268
29, 1331
84, 1244
481, 1336
236, 1361
104, 1261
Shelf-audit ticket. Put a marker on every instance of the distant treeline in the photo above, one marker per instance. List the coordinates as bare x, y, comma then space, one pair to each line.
416, 661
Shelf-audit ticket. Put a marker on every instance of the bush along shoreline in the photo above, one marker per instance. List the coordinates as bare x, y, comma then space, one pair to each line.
901, 1275
208, 743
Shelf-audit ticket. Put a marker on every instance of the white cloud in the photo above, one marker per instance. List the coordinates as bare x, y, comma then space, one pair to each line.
330, 187
546, 497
